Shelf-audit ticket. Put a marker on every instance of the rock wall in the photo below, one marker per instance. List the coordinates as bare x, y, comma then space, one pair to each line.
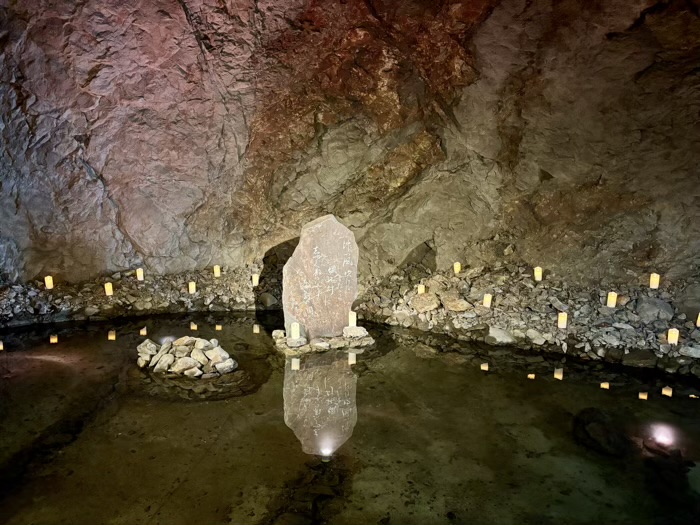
176, 134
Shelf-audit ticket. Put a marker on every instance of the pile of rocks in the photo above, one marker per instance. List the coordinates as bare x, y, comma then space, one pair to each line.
354, 337
524, 314
189, 356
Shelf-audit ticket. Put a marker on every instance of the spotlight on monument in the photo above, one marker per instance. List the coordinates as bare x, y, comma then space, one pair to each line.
663, 434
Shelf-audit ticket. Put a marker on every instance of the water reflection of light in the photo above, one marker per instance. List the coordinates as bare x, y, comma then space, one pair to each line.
167, 339
663, 434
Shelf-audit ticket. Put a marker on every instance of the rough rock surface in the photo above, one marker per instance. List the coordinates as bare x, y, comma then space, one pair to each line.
189, 356
320, 279
176, 134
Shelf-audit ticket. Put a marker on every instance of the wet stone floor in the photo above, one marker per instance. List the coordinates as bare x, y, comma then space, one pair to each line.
413, 433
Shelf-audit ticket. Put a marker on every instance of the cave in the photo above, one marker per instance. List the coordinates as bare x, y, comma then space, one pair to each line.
349, 261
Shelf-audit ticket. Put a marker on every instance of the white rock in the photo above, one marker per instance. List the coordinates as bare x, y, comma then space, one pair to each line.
214, 343
182, 364
193, 372
185, 340
278, 334
352, 332
535, 337
163, 350
499, 336
164, 363
296, 342
202, 344
690, 351
143, 361
199, 356
148, 347
216, 355
226, 366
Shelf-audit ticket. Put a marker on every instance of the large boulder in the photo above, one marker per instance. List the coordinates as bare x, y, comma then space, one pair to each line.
650, 309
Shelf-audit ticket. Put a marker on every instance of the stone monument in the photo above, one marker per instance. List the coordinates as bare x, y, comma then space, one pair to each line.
319, 282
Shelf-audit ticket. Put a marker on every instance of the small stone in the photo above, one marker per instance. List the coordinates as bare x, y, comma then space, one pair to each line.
556, 303
91, 310
202, 344
454, 302
640, 358
185, 340
199, 356
142, 361
296, 342
535, 337
182, 364
216, 355
164, 363
278, 334
690, 351
320, 344
353, 332
425, 302
193, 372
498, 336
650, 309
148, 347
226, 366
210, 375
180, 351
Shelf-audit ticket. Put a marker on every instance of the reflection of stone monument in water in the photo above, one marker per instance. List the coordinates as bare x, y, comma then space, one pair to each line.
319, 401
319, 287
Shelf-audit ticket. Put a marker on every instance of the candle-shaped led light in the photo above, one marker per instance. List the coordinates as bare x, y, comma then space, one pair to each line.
672, 336
48, 281
457, 267
192, 287
219, 327
2, 346
217, 270
562, 319
693, 396
112, 335
352, 358
644, 395
484, 367
53, 339
139, 274
531, 376
143, 331
487, 300
352, 318
193, 325
605, 385
256, 328
296, 332
538, 273
421, 289
667, 391
559, 373
296, 362
654, 280
697, 321
612, 300
256, 279
109, 290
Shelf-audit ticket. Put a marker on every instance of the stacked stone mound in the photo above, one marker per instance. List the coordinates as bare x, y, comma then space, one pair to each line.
354, 337
188, 356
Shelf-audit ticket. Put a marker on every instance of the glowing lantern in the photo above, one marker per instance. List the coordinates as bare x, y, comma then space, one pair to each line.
605, 386
421, 289
531, 376
672, 336
109, 290
218, 328
612, 300
256, 279
112, 335
538, 273
256, 328
667, 391
487, 300
143, 331
193, 326
562, 319
654, 280
139, 274
2, 346
485, 367
644, 395
192, 287
53, 339
296, 332
48, 281
352, 358
697, 321
296, 362
352, 318
559, 373
457, 267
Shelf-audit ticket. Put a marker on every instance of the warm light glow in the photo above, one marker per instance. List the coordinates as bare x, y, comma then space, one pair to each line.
143, 331
559, 373
2, 346
421, 289
256, 279
48, 281
612, 300
562, 319
256, 328
53, 339
538, 273
193, 326
139, 274
296, 332
654, 280
605, 386
457, 267
644, 395
217, 271
667, 391
663, 434
109, 290
697, 321
531, 376
327, 452
672, 336
352, 358
485, 367
487, 300
296, 363
218, 328
112, 335
352, 318
192, 287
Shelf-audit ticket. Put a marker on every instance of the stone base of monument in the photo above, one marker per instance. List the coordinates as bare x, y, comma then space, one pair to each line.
354, 337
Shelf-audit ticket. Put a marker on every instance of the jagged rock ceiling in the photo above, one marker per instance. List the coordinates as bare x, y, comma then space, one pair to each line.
177, 134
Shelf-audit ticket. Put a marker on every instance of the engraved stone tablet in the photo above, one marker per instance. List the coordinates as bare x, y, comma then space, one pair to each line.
320, 279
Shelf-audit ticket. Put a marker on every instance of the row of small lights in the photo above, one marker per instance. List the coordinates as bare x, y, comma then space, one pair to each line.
563, 318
